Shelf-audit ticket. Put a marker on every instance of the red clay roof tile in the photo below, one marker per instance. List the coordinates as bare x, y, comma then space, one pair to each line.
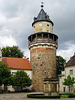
71, 62
16, 63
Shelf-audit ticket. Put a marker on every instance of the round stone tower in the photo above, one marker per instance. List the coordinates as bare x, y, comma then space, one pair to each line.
42, 46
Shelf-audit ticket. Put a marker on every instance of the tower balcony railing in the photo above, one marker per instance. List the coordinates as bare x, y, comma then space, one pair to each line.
43, 41
43, 37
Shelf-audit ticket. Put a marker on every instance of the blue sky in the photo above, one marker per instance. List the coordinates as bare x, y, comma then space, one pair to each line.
16, 17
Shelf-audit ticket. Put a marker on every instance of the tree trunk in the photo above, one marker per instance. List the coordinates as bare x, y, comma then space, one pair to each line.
5, 88
69, 89
21, 88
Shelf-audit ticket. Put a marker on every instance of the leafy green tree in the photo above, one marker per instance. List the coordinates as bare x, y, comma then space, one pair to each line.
12, 52
21, 79
60, 64
5, 75
69, 81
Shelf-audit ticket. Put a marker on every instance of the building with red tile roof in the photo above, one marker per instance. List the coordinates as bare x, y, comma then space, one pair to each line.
71, 62
18, 64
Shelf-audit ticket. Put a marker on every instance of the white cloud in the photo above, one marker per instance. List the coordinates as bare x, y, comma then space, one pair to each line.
2, 18
66, 54
7, 41
27, 53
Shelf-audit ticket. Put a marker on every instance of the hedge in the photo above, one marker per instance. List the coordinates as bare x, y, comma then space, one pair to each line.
41, 96
71, 96
54, 97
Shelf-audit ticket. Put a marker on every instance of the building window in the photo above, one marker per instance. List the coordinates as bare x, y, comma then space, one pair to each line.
71, 72
13, 73
63, 89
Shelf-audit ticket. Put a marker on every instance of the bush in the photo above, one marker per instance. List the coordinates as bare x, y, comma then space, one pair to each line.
71, 96
67, 95
41, 96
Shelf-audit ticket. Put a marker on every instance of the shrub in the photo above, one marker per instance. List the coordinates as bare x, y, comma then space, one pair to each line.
67, 95
71, 96
41, 96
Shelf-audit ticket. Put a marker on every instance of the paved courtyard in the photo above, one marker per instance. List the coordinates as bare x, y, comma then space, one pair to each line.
23, 96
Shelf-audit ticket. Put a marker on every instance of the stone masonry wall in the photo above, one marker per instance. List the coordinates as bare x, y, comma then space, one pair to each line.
43, 63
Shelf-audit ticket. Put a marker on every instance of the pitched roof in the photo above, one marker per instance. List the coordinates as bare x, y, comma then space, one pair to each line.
71, 62
42, 16
16, 63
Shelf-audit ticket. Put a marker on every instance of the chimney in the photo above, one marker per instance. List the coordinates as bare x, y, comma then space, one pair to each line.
27, 58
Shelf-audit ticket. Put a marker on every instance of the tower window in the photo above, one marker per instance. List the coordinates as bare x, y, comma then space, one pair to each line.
34, 26
45, 73
47, 24
38, 57
40, 64
47, 30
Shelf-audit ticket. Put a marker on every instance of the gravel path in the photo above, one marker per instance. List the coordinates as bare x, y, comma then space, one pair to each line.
23, 96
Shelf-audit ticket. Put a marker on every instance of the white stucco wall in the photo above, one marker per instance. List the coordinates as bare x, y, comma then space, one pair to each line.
67, 70
29, 72
64, 75
61, 80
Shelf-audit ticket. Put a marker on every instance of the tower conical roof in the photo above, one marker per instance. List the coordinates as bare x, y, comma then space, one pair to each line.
42, 16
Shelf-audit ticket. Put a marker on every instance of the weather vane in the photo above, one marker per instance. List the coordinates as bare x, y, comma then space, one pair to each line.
42, 4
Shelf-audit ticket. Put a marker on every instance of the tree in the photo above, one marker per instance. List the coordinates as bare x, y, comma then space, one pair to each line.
60, 64
5, 75
21, 79
69, 81
12, 52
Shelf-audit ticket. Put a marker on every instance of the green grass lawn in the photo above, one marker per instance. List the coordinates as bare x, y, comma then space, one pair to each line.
64, 95
67, 95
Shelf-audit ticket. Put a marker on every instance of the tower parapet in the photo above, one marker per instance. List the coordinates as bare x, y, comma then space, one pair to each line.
42, 39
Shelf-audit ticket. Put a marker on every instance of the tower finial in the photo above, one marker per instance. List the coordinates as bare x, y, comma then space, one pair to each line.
42, 5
